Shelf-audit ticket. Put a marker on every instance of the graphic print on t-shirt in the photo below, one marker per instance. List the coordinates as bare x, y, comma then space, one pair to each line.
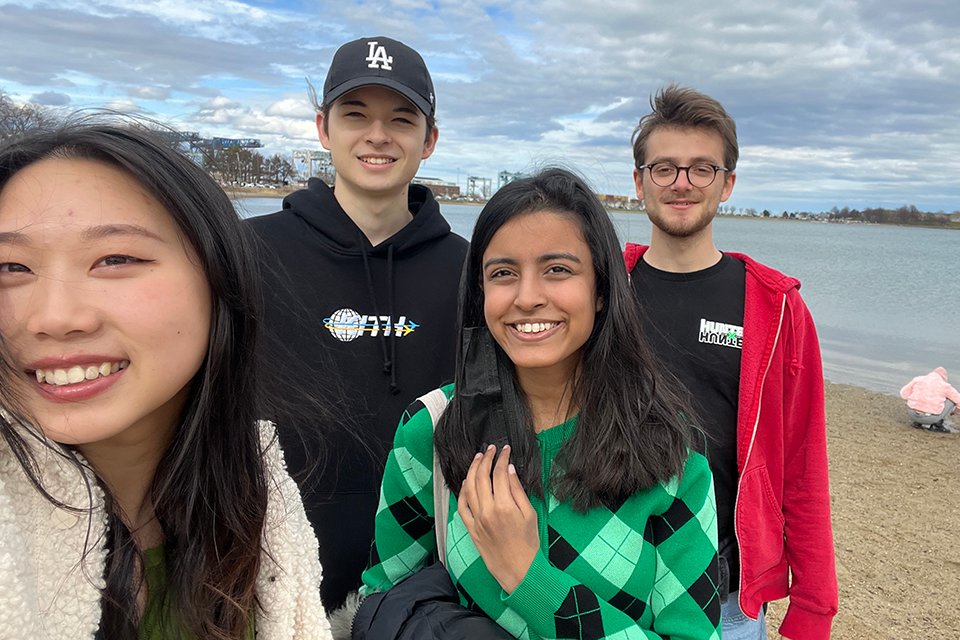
347, 325
727, 335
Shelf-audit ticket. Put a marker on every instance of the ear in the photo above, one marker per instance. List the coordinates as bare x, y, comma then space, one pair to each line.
430, 144
324, 138
731, 178
638, 182
599, 303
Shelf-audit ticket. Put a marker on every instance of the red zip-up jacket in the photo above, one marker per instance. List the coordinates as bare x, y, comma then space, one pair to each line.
782, 518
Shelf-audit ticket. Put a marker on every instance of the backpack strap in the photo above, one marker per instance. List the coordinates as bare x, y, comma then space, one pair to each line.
436, 402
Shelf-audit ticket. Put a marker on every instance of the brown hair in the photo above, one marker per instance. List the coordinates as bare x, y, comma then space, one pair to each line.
683, 107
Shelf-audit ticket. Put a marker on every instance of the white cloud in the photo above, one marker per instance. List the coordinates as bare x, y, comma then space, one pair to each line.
292, 108
123, 105
149, 93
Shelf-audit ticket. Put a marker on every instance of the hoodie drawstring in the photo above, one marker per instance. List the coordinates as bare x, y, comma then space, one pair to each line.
389, 361
393, 327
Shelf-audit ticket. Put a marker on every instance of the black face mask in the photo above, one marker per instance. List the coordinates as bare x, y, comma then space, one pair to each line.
490, 396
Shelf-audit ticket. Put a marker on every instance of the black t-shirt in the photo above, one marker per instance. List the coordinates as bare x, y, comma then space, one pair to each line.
694, 323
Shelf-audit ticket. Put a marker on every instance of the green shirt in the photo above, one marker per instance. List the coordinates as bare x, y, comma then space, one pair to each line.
154, 625
645, 569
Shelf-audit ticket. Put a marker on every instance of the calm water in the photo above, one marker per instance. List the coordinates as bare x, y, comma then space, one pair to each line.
886, 300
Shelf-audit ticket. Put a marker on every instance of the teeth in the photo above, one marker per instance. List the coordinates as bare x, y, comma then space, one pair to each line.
534, 327
378, 160
77, 374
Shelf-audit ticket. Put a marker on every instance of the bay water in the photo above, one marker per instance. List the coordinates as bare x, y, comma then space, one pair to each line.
886, 300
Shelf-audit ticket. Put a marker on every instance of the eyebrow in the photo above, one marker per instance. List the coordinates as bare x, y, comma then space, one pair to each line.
108, 230
547, 257
90, 233
13, 237
693, 161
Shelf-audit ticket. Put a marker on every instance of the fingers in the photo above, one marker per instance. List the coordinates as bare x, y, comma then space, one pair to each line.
466, 502
501, 480
484, 485
518, 494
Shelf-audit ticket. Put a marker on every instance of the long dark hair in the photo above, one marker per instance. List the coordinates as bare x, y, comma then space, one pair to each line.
209, 492
631, 431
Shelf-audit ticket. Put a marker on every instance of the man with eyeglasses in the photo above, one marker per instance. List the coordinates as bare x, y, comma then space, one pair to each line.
738, 336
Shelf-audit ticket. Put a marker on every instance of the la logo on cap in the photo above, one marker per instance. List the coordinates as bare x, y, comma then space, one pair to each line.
378, 57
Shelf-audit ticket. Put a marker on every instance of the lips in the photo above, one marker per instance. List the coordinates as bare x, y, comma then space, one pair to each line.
76, 378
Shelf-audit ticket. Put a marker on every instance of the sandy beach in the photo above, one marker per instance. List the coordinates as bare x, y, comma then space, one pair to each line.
896, 521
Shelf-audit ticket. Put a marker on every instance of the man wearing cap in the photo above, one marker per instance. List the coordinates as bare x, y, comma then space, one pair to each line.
360, 290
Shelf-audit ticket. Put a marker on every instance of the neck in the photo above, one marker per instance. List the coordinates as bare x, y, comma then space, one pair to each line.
682, 255
127, 464
379, 216
548, 396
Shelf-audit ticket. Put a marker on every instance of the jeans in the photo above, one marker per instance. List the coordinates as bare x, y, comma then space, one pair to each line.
735, 625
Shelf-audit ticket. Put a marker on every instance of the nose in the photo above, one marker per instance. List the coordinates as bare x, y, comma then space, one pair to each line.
61, 309
377, 133
530, 294
682, 183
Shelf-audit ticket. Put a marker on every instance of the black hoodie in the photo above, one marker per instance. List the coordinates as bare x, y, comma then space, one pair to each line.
367, 328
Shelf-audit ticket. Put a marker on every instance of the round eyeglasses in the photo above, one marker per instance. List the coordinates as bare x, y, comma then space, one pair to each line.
699, 175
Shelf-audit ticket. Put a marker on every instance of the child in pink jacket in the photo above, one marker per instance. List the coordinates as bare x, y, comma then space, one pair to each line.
930, 399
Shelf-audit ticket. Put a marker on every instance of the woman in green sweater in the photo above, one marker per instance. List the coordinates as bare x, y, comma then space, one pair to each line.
580, 506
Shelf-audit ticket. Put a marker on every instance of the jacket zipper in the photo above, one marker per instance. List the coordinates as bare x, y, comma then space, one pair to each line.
753, 435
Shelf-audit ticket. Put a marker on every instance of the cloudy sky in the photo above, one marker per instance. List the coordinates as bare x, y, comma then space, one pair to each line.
840, 102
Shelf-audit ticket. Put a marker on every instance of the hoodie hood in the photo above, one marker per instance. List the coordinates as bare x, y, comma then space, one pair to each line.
317, 206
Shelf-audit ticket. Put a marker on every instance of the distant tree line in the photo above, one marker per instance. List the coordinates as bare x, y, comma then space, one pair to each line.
907, 214
17, 119
242, 167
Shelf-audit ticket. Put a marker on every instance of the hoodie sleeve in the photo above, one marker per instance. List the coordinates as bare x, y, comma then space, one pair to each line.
806, 492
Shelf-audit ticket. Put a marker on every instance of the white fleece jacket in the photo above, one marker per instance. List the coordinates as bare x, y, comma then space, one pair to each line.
50, 588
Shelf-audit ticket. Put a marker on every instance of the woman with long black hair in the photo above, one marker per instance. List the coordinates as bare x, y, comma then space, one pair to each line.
581, 506
139, 495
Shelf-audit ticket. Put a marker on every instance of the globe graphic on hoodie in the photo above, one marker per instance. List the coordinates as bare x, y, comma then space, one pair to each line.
344, 324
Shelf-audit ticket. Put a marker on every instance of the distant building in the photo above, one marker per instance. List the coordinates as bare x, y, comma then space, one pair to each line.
506, 177
442, 190
614, 202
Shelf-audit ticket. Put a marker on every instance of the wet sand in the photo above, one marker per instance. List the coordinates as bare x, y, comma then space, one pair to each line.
896, 519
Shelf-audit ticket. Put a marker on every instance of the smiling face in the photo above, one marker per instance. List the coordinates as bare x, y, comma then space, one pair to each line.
376, 139
682, 210
539, 291
101, 303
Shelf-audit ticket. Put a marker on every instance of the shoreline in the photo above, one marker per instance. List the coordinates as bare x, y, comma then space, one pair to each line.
238, 193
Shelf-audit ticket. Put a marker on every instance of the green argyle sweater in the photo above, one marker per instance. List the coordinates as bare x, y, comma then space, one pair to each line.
645, 569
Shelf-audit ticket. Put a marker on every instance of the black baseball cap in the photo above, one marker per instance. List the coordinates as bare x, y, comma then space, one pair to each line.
380, 61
